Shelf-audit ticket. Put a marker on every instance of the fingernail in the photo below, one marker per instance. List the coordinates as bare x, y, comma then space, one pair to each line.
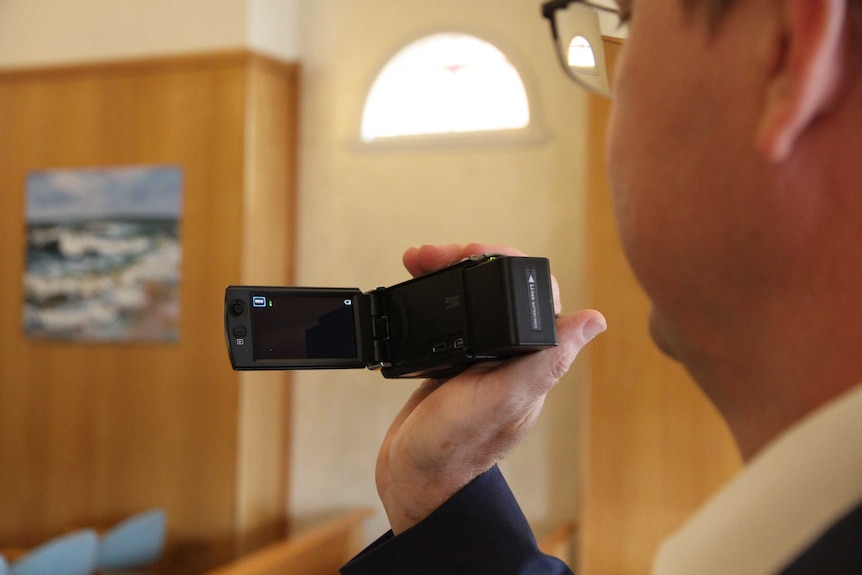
593, 328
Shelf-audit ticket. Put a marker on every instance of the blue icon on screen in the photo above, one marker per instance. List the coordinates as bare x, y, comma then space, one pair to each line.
258, 301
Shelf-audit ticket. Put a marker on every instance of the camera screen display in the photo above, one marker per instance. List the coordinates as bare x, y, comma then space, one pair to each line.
303, 326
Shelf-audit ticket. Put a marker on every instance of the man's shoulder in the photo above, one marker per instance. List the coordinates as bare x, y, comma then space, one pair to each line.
837, 551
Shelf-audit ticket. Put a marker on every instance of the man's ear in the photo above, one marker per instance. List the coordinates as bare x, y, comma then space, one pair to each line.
806, 74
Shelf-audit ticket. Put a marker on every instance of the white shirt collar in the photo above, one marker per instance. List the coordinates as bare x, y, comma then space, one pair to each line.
787, 496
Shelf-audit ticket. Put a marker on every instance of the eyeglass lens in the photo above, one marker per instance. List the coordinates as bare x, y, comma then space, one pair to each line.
580, 47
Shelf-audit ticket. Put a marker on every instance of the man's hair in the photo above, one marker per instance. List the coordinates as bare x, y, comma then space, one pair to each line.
715, 10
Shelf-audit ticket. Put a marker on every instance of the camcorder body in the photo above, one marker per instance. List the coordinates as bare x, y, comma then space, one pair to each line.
483, 308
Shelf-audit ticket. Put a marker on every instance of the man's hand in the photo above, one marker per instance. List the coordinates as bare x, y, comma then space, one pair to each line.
450, 432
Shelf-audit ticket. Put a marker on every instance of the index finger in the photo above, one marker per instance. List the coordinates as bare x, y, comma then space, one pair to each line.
426, 259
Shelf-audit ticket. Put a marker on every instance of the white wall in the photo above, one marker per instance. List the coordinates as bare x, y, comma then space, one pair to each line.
60, 32
360, 208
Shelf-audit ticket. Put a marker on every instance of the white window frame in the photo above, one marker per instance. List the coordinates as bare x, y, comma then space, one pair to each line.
532, 133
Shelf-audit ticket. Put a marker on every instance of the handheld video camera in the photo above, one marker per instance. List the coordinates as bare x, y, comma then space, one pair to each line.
482, 308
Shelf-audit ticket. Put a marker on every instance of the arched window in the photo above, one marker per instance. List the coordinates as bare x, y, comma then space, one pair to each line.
581, 55
445, 83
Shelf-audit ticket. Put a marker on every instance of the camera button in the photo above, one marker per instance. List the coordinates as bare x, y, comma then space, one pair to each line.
237, 308
240, 331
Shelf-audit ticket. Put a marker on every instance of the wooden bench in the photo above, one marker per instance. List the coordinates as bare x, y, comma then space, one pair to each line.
558, 542
319, 551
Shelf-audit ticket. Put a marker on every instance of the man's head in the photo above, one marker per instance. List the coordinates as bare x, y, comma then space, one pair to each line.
733, 162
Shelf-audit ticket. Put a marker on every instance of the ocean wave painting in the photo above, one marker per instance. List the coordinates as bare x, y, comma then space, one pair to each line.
103, 254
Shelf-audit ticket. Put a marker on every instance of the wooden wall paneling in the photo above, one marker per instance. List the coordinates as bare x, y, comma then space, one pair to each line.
91, 432
270, 204
655, 447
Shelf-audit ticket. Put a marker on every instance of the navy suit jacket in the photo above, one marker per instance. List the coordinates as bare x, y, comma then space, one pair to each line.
837, 552
482, 530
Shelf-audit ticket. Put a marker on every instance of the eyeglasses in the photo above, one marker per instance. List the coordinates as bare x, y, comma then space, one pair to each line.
578, 41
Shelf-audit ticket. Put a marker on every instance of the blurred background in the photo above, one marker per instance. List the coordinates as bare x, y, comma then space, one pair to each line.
260, 104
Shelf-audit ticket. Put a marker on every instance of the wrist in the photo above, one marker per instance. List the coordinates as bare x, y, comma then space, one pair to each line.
407, 503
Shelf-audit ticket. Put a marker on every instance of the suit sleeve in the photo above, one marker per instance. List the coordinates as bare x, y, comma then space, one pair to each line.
480, 530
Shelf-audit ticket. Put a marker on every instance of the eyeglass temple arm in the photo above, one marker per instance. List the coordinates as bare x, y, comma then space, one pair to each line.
550, 7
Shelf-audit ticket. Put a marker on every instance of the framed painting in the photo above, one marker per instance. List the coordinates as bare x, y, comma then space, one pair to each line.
103, 254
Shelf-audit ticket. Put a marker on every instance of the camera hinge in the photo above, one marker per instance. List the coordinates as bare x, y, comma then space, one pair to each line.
379, 330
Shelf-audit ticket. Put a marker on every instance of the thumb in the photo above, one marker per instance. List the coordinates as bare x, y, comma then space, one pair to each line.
539, 372
523, 384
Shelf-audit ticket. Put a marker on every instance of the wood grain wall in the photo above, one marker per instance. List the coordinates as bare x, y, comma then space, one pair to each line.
655, 446
93, 432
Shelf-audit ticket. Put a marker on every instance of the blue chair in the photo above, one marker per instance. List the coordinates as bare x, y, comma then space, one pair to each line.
134, 542
71, 554
4, 567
